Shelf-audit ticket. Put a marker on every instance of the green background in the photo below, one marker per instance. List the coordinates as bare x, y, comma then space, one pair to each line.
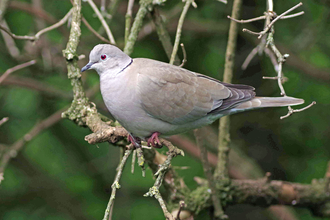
58, 175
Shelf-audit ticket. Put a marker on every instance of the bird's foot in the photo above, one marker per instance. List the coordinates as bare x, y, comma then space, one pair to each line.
134, 140
154, 140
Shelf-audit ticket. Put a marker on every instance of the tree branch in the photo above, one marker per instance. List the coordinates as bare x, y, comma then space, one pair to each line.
94, 31
218, 211
13, 150
103, 22
37, 36
221, 171
15, 68
163, 34
116, 185
179, 30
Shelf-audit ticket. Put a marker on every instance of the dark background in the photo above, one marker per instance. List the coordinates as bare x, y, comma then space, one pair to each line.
58, 175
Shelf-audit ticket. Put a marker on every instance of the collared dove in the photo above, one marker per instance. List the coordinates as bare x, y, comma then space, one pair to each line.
151, 98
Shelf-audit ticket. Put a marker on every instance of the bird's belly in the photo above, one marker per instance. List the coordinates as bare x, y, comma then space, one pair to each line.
126, 108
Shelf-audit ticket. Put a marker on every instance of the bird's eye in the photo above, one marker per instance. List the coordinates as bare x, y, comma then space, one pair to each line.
103, 57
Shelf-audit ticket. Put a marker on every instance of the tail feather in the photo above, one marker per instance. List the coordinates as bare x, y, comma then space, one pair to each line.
263, 102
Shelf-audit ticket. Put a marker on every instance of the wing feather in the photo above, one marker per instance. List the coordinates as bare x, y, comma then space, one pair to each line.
179, 96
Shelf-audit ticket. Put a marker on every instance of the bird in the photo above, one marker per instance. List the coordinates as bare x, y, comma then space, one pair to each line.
150, 98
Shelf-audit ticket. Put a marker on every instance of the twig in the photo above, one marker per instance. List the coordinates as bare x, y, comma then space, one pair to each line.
102, 8
277, 18
112, 8
116, 185
36, 85
264, 17
136, 27
182, 205
163, 168
128, 19
163, 34
141, 161
184, 60
26, 7
272, 58
293, 15
223, 1
218, 211
274, 54
221, 171
10, 42
281, 59
3, 8
94, 31
249, 58
154, 191
133, 161
37, 36
15, 68
270, 25
13, 150
247, 21
3, 120
104, 23
179, 30
291, 111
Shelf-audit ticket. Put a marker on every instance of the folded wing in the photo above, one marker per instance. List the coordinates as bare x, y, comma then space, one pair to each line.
179, 96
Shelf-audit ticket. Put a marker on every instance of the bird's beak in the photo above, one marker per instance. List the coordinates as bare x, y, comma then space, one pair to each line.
87, 67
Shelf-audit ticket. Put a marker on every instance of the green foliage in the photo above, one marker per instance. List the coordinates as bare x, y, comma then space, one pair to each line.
58, 175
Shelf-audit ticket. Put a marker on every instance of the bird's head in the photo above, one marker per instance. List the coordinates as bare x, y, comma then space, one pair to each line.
107, 59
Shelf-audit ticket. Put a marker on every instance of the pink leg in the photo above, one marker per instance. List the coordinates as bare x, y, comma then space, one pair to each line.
134, 140
154, 140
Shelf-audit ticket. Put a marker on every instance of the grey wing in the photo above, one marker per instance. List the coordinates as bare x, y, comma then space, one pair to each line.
178, 96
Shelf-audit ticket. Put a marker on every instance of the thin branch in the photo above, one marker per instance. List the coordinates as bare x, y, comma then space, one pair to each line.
102, 8
249, 58
163, 34
13, 150
133, 161
10, 42
3, 120
223, 1
182, 205
26, 7
160, 174
94, 31
37, 36
136, 27
104, 23
251, 32
3, 8
264, 17
277, 18
218, 211
141, 161
116, 185
293, 15
18, 67
128, 19
291, 111
247, 21
270, 25
184, 60
221, 171
270, 5
179, 30
36, 85
272, 58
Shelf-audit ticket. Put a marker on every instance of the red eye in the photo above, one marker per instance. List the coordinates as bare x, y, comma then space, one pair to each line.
103, 56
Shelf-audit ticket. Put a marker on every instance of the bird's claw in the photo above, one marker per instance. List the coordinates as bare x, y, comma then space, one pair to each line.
154, 140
